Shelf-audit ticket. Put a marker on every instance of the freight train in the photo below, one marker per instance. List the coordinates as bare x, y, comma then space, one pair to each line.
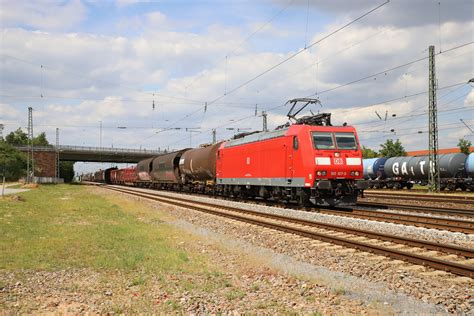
456, 172
309, 162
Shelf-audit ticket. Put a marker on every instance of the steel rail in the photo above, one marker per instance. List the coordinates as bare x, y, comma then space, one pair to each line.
424, 197
454, 225
420, 208
453, 267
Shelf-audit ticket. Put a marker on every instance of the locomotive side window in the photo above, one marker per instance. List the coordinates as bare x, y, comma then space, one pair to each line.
295, 142
346, 141
322, 140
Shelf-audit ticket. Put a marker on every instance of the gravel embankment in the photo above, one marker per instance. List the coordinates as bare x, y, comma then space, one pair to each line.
468, 205
452, 293
465, 240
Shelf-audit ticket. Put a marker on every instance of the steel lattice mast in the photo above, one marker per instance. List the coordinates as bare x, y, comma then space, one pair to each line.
30, 168
434, 176
57, 155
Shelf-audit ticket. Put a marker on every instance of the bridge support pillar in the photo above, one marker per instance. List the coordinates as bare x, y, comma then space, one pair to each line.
45, 163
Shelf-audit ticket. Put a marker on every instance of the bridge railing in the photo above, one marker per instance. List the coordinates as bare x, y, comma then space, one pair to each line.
91, 149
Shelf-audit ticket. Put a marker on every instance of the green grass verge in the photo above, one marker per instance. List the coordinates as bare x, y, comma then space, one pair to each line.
65, 226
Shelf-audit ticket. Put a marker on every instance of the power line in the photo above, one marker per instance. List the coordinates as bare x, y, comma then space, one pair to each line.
409, 128
386, 71
360, 107
284, 61
297, 53
406, 134
244, 41
98, 80
242, 105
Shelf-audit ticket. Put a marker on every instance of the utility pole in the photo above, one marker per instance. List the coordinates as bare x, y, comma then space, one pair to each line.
100, 135
191, 130
434, 176
1, 130
30, 168
100, 140
57, 155
265, 126
214, 136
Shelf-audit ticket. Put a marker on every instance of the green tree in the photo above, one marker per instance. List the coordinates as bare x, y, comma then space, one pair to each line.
66, 170
392, 149
12, 162
368, 153
17, 138
41, 140
464, 145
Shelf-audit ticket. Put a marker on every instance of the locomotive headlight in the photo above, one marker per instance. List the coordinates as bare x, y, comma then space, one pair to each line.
357, 173
321, 173
336, 154
352, 173
318, 173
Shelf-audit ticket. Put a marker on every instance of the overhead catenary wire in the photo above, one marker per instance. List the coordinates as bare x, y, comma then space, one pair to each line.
298, 53
334, 88
387, 70
285, 60
442, 112
109, 83
228, 54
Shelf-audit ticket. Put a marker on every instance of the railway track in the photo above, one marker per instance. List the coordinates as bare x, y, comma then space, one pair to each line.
449, 224
335, 234
458, 199
419, 208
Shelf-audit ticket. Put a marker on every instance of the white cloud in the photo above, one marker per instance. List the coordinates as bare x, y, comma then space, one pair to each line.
99, 78
8, 112
469, 101
124, 3
44, 15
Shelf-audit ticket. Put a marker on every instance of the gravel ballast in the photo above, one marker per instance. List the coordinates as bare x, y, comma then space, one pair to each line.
449, 292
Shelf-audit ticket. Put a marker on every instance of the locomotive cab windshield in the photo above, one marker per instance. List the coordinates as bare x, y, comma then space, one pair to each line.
338, 140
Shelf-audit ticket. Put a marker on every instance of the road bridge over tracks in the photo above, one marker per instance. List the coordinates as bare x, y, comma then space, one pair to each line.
45, 156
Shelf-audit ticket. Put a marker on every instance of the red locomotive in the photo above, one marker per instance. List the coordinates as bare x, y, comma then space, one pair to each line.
311, 164
308, 161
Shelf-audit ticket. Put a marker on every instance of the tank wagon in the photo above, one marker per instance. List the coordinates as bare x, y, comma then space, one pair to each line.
456, 171
308, 161
198, 167
143, 170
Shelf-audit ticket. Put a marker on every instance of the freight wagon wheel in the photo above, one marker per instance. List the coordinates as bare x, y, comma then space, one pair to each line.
304, 198
451, 187
409, 186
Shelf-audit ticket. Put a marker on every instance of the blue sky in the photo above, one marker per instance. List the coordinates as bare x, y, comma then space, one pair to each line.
103, 60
